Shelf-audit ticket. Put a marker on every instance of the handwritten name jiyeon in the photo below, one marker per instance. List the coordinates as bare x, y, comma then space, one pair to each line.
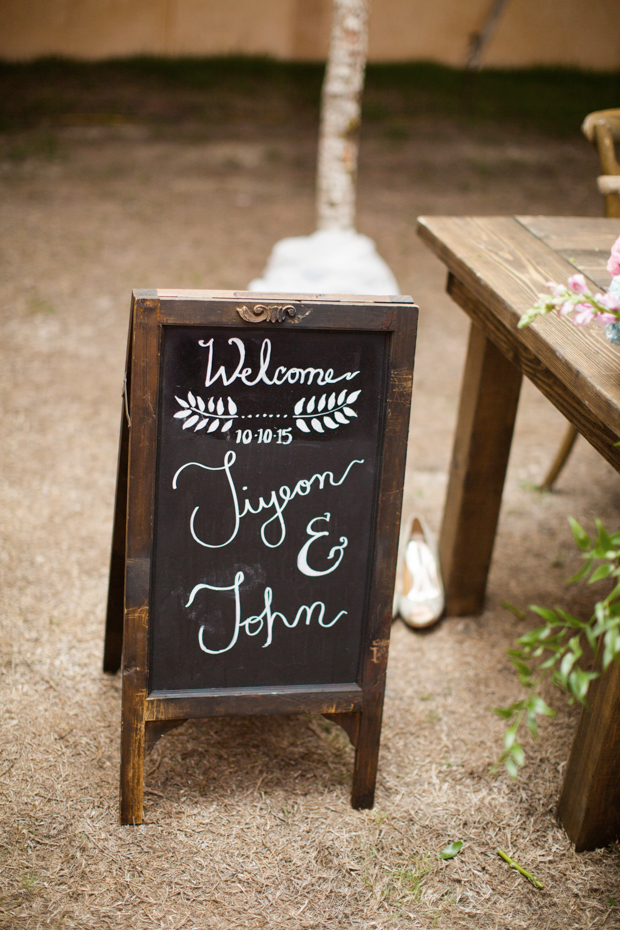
278, 500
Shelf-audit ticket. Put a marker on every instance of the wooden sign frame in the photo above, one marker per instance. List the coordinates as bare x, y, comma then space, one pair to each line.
356, 706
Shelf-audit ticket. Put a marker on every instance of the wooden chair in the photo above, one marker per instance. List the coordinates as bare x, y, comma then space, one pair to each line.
602, 128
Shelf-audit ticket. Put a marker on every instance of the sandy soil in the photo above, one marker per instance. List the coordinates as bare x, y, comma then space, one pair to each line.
248, 822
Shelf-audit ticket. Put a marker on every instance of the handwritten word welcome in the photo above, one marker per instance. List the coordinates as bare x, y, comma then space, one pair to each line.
281, 374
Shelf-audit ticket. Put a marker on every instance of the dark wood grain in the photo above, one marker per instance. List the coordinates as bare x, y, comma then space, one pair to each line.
375, 314
244, 702
589, 806
367, 752
350, 723
141, 468
489, 398
389, 506
155, 729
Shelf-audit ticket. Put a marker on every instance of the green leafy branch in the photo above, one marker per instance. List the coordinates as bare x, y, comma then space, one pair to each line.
552, 651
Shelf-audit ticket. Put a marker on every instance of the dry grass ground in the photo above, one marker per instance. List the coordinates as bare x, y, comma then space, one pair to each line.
248, 822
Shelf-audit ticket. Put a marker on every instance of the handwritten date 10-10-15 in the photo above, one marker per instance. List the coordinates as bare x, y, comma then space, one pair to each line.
282, 436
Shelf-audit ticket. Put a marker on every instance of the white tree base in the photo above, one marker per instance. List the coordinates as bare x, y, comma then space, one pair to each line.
330, 261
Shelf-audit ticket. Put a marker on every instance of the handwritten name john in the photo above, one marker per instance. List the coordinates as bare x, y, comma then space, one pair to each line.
255, 623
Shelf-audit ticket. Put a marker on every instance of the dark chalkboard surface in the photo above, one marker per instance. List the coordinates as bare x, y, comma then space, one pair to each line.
253, 498
258, 502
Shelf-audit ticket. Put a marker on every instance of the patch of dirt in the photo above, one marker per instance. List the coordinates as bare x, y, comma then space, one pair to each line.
248, 822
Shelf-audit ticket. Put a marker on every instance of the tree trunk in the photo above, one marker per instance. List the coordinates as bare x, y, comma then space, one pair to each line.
340, 115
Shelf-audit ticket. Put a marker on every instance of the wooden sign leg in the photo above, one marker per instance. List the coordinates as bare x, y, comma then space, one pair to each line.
113, 647
367, 754
589, 806
133, 732
133, 725
488, 406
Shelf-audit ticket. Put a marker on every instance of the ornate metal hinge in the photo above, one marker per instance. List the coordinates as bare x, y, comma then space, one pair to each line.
274, 313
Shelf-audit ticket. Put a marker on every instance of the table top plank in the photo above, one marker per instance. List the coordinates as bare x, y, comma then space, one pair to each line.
593, 264
582, 241
506, 266
573, 232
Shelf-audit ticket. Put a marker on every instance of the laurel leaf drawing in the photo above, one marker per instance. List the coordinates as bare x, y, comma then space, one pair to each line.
328, 412
194, 413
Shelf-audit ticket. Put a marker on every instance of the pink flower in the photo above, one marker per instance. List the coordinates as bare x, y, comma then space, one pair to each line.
565, 309
613, 265
578, 283
585, 314
558, 290
604, 318
608, 300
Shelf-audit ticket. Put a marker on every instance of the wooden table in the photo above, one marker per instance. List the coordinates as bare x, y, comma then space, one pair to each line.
496, 267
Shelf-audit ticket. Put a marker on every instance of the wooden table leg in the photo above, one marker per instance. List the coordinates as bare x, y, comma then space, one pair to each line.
589, 806
561, 458
488, 406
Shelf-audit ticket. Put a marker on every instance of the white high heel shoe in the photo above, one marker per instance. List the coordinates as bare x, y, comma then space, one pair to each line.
420, 595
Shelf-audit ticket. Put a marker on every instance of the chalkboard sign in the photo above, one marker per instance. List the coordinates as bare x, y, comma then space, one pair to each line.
258, 502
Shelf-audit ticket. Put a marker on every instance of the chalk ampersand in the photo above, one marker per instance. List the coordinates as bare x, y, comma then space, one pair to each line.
302, 558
